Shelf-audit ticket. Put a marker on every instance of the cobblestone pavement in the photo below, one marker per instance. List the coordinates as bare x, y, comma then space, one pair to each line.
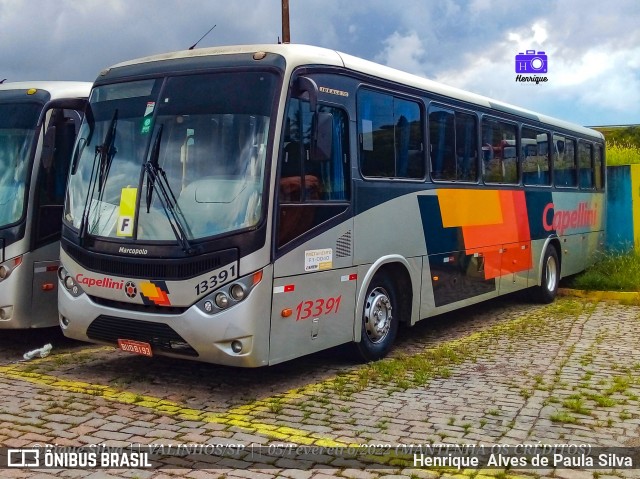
504, 372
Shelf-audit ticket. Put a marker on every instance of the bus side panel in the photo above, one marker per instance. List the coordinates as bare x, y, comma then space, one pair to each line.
575, 217
311, 312
314, 295
44, 301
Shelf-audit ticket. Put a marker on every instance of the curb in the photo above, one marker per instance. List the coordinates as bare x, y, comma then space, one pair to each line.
599, 295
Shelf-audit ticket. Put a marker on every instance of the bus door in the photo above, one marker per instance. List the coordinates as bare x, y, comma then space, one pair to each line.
314, 284
51, 179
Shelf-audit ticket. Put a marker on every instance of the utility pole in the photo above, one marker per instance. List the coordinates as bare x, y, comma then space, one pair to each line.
286, 34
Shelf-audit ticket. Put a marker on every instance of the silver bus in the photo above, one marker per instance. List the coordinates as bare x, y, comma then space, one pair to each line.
249, 205
38, 125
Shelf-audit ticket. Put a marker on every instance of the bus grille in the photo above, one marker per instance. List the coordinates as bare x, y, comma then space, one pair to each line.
160, 336
150, 268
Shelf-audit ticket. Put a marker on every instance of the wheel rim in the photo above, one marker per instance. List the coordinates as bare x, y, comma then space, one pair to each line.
377, 315
552, 273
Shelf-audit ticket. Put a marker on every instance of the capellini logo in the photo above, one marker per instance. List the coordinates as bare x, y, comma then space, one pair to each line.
530, 65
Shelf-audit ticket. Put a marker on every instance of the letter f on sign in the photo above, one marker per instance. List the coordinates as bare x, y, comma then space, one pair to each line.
125, 226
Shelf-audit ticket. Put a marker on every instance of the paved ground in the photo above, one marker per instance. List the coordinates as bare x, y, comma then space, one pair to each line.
506, 372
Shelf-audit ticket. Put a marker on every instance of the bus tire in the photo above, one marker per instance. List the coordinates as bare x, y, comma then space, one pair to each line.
550, 276
379, 319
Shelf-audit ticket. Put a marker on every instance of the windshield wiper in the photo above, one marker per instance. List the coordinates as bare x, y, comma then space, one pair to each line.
157, 179
107, 151
99, 172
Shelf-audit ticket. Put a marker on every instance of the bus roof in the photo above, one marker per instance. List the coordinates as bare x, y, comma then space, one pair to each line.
298, 55
56, 89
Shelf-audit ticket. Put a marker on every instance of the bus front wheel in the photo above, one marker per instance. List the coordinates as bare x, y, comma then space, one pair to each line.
550, 276
379, 319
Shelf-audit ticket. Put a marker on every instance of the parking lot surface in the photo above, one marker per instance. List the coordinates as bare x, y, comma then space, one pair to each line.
506, 372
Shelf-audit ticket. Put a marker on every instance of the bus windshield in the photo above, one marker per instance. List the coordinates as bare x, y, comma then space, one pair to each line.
18, 122
176, 158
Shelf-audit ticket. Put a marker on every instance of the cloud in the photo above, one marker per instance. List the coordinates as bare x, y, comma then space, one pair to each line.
404, 52
592, 48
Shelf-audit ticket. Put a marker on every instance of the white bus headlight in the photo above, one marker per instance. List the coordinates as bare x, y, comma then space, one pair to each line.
237, 292
8, 266
230, 294
222, 300
69, 282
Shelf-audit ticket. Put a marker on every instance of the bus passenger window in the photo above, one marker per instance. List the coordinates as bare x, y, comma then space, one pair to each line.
500, 160
454, 145
597, 168
535, 157
391, 136
585, 165
564, 161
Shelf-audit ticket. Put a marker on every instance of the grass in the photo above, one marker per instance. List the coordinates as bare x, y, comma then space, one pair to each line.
577, 406
564, 417
612, 272
619, 153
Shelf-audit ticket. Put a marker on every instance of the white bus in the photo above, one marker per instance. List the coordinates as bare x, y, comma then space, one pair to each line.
38, 124
249, 205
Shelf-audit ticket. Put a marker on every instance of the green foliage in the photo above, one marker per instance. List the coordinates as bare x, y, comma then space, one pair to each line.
623, 144
622, 154
612, 272
629, 135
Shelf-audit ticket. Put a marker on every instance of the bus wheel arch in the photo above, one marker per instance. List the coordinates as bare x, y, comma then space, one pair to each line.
386, 303
550, 267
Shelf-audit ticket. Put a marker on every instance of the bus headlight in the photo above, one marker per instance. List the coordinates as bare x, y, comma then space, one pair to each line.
69, 283
237, 292
229, 295
8, 266
222, 300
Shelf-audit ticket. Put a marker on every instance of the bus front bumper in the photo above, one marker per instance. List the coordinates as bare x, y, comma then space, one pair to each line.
237, 336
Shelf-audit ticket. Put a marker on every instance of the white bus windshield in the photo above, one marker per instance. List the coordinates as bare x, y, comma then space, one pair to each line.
203, 136
17, 130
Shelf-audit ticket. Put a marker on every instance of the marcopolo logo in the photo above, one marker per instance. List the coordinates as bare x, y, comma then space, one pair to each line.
136, 251
530, 65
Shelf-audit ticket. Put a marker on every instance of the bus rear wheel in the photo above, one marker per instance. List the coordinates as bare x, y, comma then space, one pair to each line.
550, 278
379, 319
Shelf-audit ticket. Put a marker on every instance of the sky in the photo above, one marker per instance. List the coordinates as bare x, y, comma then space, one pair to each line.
592, 46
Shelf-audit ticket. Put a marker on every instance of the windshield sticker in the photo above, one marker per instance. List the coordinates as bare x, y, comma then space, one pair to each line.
127, 214
318, 259
150, 107
148, 114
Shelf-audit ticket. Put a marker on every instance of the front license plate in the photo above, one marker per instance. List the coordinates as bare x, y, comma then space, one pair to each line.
136, 347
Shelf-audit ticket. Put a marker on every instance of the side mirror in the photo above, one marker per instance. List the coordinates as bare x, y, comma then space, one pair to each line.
305, 84
49, 147
322, 137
